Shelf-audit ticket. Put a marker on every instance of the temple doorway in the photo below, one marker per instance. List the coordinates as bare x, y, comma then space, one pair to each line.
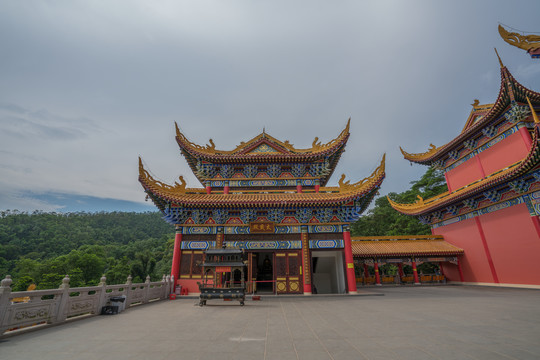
262, 271
328, 275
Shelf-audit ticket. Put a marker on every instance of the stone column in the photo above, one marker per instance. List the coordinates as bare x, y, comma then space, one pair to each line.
306, 260
349, 263
61, 314
5, 293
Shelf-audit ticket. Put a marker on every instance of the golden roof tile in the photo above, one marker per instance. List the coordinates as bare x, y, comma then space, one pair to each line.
420, 246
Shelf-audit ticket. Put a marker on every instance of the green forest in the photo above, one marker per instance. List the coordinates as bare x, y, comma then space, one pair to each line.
43, 247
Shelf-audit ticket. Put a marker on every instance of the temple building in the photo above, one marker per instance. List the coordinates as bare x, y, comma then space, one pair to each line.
271, 199
492, 204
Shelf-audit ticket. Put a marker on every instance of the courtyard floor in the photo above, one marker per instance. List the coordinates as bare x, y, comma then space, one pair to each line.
426, 322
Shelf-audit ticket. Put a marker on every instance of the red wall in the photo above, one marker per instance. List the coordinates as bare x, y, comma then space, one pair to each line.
474, 262
463, 174
499, 156
504, 153
513, 244
190, 284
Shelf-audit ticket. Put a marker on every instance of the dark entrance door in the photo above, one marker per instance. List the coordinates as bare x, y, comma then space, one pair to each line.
288, 279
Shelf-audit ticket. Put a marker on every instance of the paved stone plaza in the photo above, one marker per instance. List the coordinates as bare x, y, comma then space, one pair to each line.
428, 322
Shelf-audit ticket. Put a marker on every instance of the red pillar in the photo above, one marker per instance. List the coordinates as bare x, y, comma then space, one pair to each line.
177, 254
461, 278
526, 136
349, 263
306, 261
400, 269
299, 187
317, 186
536, 223
480, 167
208, 189
447, 183
226, 188
415, 273
377, 276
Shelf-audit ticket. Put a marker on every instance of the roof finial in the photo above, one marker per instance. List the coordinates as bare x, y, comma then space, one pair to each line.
534, 114
500, 61
264, 132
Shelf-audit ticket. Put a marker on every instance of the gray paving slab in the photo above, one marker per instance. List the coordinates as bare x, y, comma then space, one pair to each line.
443, 322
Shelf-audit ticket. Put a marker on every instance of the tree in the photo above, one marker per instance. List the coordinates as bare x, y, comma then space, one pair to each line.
383, 220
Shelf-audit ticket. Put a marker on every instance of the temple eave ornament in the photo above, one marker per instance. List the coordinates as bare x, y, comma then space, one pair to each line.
529, 43
425, 156
346, 186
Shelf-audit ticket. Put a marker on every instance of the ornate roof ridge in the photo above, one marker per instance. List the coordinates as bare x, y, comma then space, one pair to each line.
508, 84
198, 197
516, 169
286, 147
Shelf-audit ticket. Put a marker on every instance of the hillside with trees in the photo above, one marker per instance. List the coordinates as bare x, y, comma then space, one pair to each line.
43, 247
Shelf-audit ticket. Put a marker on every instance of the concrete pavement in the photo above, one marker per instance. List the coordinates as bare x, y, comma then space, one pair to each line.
427, 322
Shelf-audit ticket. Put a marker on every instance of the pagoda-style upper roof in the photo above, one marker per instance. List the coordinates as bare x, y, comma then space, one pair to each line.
262, 149
164, 195
482, 116
530, 162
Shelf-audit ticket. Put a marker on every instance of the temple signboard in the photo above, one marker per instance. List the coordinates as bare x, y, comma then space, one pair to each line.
261, 227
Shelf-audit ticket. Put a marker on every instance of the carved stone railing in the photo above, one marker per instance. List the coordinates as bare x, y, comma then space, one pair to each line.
23, 310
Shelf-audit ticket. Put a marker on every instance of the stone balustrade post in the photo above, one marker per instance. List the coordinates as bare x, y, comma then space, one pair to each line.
129, 283
172, 286
146, 289
5, 292
61, 314
164, 286
103, 294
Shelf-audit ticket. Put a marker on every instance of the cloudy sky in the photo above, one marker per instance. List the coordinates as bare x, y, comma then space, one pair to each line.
88, 86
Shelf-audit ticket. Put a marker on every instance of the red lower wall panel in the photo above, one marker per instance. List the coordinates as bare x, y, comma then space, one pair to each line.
514, 244
474, 262
190, 284
512, 241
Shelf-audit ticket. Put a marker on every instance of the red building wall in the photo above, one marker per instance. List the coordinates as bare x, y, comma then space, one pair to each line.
514, 244
463, 174
498, 156
504, 153
474, 263
500, 247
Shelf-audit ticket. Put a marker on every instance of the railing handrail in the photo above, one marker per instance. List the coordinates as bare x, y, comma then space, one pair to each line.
33, 310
